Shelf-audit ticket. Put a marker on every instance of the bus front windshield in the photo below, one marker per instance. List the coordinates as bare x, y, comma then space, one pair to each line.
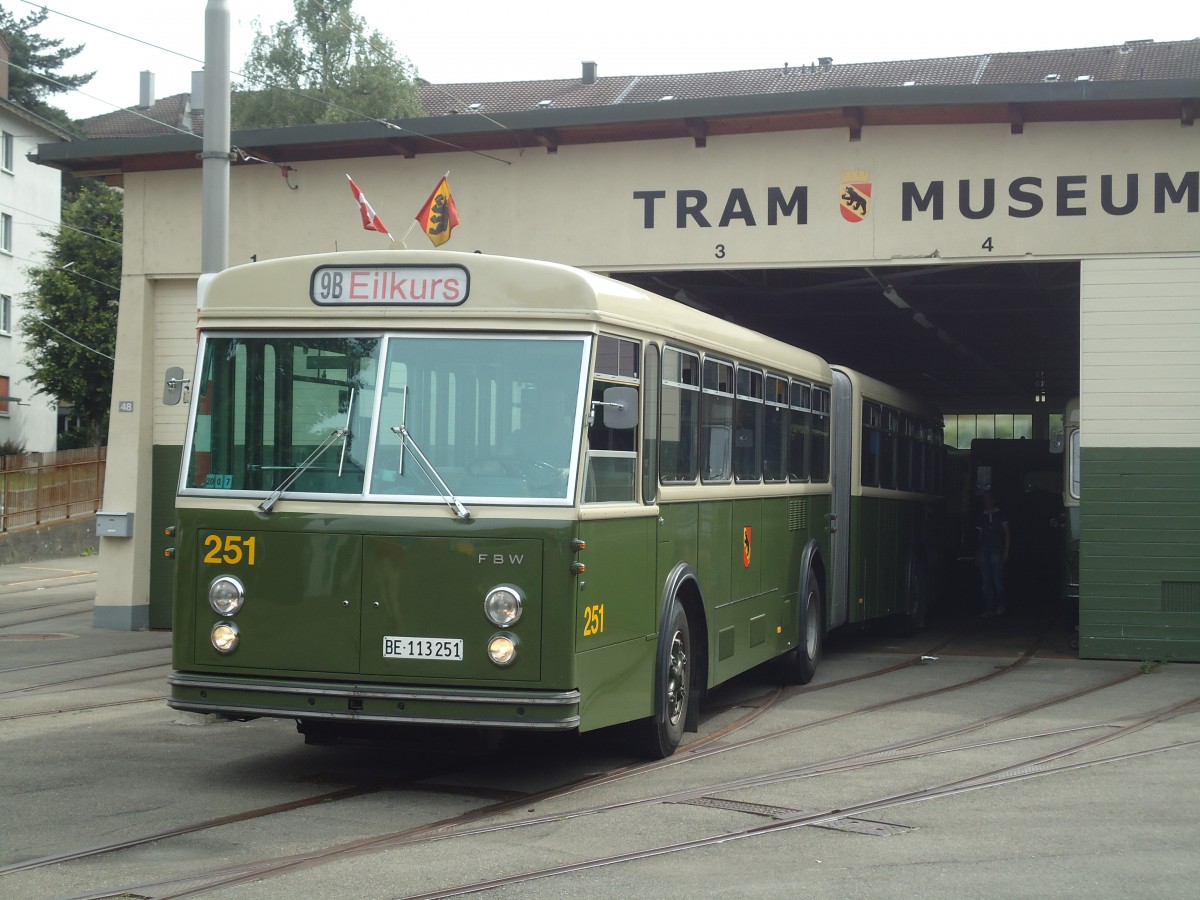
490, 417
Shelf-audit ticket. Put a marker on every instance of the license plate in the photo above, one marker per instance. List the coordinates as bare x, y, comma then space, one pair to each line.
422, 648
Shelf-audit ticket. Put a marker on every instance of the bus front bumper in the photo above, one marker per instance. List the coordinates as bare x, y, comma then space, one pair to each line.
246, 697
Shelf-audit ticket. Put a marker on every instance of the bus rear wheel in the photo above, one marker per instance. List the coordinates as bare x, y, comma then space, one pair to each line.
799, 665
916, 601
658, 736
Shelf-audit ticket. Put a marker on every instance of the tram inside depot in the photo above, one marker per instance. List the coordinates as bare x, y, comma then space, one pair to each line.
994, 346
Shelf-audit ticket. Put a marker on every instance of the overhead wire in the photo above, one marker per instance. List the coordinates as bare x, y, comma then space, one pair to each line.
246, 79
67, 268
75, 274
459, 100
46, 324
82, 231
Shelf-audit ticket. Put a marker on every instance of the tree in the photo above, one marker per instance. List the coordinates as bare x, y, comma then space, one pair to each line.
70, 322
324, 67
35, 63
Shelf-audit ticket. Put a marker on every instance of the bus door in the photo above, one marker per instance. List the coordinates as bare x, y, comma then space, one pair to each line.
614, 593
617, 529
842, 477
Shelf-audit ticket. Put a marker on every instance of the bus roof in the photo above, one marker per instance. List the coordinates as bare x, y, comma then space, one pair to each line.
492, 293
881, 392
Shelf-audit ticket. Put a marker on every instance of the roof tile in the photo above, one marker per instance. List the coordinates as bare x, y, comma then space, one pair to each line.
1132, 61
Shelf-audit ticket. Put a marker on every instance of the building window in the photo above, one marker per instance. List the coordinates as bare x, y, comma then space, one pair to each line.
6, 151
3, 395
5, 314
963, 428
6, 237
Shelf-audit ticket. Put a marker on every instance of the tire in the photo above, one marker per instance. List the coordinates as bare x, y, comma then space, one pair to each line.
799, 665
659, 735
916, 601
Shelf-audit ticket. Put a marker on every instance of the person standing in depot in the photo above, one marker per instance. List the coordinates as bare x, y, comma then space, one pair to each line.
991, 554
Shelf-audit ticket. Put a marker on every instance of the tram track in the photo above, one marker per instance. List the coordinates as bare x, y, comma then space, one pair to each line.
68, 578
762, 705
1027, 769
75, 660
85, 608
461, 826
91, 680
453, 828
87, 598
91, 707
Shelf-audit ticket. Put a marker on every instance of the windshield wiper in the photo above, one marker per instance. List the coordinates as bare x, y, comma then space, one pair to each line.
308, 461
431, 473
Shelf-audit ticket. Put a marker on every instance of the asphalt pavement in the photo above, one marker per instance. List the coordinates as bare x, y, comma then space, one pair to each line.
975, 760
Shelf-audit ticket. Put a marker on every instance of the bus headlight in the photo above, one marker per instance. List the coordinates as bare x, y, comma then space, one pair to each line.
503, 605
502, 649
226, 595
225, 637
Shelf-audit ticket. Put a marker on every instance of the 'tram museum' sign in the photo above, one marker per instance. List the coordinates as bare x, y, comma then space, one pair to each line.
1023, 197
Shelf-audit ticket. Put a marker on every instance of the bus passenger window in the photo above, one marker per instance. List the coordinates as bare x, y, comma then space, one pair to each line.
680, 416
716, 421
774, 456
819, 467
748, 416
799, 431
872, 422
904, 461
888, 454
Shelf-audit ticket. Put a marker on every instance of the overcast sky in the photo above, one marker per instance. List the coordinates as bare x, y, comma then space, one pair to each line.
485, 40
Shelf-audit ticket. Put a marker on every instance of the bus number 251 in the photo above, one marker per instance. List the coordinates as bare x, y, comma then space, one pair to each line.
231, 550
593, 620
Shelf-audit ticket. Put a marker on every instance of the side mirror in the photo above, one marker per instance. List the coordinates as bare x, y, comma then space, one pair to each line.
173, 386
620, 408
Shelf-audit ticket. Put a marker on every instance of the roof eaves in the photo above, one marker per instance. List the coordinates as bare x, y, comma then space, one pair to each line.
447, 127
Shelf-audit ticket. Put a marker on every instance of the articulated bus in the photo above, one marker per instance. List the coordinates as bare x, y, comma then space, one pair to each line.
460, 490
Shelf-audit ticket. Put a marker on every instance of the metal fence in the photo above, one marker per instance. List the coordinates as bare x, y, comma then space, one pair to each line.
48, 487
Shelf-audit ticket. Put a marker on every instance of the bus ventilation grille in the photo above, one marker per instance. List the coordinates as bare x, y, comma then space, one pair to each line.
1181, 596
798, 515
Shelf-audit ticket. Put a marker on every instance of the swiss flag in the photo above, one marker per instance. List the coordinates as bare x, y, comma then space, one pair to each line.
371, 222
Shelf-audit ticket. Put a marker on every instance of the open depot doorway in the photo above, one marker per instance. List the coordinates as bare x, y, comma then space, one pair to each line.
995, 342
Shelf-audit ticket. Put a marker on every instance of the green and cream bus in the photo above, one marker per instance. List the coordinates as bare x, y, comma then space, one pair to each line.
453, 489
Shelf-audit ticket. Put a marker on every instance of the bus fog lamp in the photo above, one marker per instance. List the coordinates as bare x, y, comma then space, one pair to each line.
503, 605
225, 637
502, 649
226, 595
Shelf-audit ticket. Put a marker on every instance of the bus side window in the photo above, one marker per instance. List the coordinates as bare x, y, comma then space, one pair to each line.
716, 440
680, 414
610, 477
872, 422
820, 434
799, 431
716, 420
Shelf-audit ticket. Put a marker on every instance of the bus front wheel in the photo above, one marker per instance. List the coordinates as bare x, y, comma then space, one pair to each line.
658, 736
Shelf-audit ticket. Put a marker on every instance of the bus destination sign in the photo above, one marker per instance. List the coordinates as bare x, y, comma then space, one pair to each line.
389, 285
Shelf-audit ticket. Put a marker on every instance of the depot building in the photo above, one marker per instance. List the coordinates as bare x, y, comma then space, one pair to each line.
1001, 234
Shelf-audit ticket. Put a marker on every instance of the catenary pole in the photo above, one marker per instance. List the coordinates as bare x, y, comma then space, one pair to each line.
214, 237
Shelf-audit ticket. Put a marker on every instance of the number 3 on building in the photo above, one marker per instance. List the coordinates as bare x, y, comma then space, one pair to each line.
593, 620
